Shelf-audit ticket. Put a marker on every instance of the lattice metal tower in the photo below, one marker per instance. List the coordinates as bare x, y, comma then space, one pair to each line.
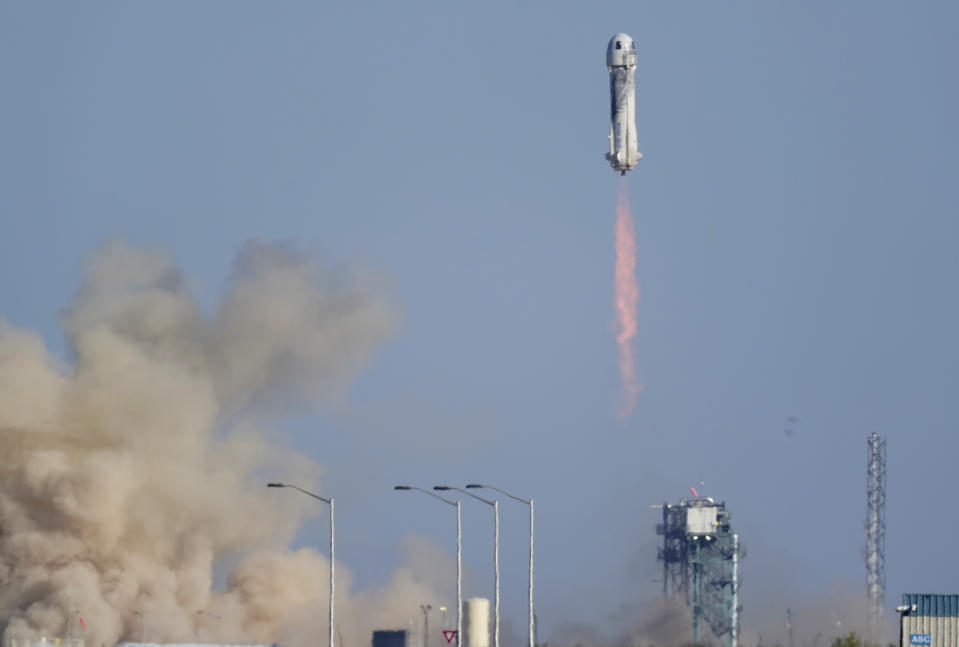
700, 556
876, 530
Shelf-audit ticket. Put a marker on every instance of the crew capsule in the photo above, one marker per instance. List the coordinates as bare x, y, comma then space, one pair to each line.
621, 52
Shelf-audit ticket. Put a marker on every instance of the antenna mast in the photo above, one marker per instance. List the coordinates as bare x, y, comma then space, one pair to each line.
876, 532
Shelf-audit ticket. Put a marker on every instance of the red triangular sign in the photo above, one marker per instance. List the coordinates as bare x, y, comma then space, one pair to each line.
449, 635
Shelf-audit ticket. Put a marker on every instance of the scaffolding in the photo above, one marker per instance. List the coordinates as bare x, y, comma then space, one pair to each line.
700, 557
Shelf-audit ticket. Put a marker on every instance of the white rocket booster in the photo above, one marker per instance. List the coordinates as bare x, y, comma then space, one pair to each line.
621, 62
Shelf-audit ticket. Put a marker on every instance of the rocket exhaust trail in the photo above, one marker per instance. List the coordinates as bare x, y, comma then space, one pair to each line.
626, 299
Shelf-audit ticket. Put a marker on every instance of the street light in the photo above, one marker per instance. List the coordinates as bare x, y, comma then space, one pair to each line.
332, 544
495, 505
69, 615
904, 610
529, 502
459, 557
69, 618
143, 627
219, 623
425, 608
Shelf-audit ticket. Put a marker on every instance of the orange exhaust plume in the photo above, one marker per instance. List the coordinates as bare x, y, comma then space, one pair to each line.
626, 299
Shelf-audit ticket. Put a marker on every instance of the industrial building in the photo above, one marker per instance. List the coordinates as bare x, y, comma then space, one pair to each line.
927, 619
700, 557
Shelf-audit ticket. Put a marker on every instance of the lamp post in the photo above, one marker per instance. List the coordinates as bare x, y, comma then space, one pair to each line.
219, 623
425, 608
529, 502
904, 610
459, 557
332, 545
495, 506
143, 627
70, 613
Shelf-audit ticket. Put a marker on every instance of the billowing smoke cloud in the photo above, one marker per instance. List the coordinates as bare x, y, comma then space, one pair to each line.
667, 621
816, 620
130, 468
661, 622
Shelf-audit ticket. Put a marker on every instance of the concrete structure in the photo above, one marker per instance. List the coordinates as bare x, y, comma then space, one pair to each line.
700, 556
929, 620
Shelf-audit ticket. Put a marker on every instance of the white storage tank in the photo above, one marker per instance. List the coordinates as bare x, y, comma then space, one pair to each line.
476, 622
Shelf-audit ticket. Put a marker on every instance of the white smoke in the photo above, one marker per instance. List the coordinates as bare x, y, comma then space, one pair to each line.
130, 468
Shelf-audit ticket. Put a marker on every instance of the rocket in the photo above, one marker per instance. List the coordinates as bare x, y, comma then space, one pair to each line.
621, 62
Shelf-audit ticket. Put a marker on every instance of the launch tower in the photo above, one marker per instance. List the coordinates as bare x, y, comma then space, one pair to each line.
700, 557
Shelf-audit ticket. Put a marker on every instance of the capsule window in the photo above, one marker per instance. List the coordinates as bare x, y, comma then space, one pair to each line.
619, 45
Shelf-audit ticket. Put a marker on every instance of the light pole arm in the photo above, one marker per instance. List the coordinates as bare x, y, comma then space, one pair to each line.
433, 494
501, 491
296, 487
466, 492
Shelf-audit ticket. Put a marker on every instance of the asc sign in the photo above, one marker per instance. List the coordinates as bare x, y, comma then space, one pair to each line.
920, 639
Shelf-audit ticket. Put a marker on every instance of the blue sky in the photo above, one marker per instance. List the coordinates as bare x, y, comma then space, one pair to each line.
795, 215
